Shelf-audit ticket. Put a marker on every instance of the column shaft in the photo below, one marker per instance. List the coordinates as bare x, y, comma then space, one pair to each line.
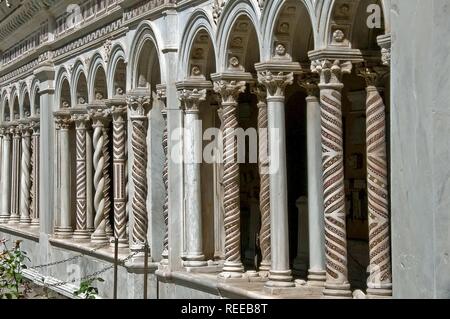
6, 179
15, 176
35, 176
65, 228
25, 184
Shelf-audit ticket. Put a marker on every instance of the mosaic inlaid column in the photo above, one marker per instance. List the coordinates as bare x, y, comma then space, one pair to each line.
119, 113
25, 181
192, 159
280, 273
379, 283
90, 211
331, 85
6, 176
80, 119
35, 176
100, 120
15, 174
64, 229
229, 91
138, 109
264, 193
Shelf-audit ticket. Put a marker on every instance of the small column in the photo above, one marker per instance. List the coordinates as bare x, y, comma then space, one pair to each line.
65, 229
300, 267
35, 176
264, 193
229, 91
25, 185
379, 283
81, 118
119, 113
331, 85
316, 271
15, 175
192, 159
280, 273
139, 105
90, 211
6, 176
161, 93
100, 119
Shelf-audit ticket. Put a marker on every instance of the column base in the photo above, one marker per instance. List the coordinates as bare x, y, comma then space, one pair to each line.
64, 232
14, 219
35, 223
137, 262
123, 243
195, 261
317, 278
379, 291
232, 270
337, 291
81, 235
4, 219
280, 279
99, 237
25, 221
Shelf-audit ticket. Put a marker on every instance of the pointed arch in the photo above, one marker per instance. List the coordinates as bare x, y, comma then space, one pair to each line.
97, 70
62, 88
117, 61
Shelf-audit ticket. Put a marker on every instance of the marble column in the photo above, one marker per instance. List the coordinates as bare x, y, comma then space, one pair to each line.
316, 271
192, 160
379, 283
300, 267
15, 174
25, 181
90, 211
331, 85
264, 194
80, 119
6, 176
161, 93
280, 273
65, 229
119, 114
35, 176
229, 91
139, 106
100, 116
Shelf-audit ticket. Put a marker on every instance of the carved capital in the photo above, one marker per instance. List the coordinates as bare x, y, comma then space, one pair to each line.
229, 90
191, 99
63, 120
138, 105
80, 121
331, 72
119, 113
275, 83
161, 92
35, 125
372, 76
261, 94
100, 116
24, 129
309, 82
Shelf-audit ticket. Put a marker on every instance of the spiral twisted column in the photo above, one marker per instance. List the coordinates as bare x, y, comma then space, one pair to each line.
100, 120
138, 108
15, 174
264, 192
379, 283
161, 93
119, 113
229, 91
81, 119
280, 273
25, 182
34, 178
5, 186
317, 265
336, 284
64, 227
191, 100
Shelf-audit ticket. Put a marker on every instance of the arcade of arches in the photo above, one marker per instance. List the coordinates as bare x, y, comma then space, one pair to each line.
89, 146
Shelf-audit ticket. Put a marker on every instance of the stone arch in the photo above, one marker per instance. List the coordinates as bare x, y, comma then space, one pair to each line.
237, 31
117, 70
15, 105
289, 22
97, 80
5, 110
144, 40
62, 89
35, 97
26, 105
80, 92
193, 40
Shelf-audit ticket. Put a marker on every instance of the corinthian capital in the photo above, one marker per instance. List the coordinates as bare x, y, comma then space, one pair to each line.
63, 119
309, 82
331, 72
275, 83
229, 90
191, 99
139, 105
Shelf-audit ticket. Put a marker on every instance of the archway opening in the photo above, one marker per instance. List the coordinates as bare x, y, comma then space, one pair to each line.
82, 89
26, 106
16, 109
120, 78
65, 100
100, 85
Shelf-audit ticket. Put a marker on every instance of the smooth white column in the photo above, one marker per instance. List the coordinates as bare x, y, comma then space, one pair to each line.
15, 175
25, 185
65, 229
280, 273
192, 158
6, 178
89, 180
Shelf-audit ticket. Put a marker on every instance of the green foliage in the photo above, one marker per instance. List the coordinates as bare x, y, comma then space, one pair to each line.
12, 285
86, 288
